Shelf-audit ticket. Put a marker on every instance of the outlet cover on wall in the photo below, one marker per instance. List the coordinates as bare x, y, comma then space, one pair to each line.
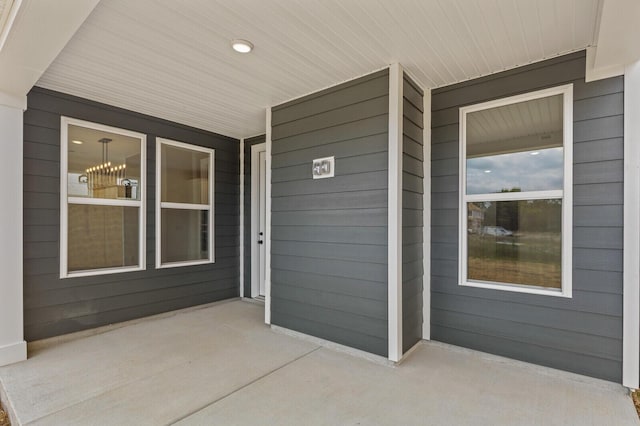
323, 168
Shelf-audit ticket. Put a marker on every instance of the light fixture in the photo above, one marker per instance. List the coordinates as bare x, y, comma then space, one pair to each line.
77, 142
487, 171
104, 180
535, 153
242, 46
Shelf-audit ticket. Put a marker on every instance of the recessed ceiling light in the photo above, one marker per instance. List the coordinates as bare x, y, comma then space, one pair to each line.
242, 46
535, 153
77, 142
487, 171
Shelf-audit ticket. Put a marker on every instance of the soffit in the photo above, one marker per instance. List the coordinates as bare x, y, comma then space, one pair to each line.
173, 59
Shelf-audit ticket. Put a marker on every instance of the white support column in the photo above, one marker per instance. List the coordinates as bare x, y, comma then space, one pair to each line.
242, 277
395, 212
426, 217
13, 348
631, 276
267, 240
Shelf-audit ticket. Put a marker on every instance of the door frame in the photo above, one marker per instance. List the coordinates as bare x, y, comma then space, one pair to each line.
255, 217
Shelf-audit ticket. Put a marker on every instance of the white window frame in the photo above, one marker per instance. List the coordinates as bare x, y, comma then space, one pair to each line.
183, 206
565, 194
65, 200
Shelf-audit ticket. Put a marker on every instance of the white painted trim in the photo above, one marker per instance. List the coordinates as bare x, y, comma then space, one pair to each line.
267, 240
8, 24
241, 158
13, 101
255, 217
186, 206
511, 196
426, 218
103, 202
141, 204
12, 353
593, 74
566, 194
395, 213
631, 252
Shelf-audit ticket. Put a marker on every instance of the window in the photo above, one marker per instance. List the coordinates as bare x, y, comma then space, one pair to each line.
102, 210
184, 204
515, 193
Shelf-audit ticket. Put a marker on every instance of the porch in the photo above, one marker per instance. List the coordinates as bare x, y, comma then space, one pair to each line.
221, 364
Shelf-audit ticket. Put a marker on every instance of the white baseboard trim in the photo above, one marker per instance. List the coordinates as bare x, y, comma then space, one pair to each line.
12, 353
335, 346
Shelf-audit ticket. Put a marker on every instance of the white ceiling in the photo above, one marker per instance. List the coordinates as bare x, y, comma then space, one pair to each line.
172, 59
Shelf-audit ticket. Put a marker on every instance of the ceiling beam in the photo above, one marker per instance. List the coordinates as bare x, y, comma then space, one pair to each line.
616, 41
32, 38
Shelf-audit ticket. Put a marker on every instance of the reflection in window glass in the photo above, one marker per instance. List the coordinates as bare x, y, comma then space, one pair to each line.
538, 170
516, 242
102, 164
102, 237
184, 235
515, 147
185, 175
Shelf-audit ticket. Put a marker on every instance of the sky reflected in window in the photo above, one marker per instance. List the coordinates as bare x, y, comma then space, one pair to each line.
535, 170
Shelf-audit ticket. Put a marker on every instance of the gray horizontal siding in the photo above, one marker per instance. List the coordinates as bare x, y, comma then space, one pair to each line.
412, 209
55, 306
248, 143
329, 236
582, 334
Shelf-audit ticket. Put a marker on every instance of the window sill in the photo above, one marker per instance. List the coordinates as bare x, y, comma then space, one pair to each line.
188, 263
104, 271
518, 288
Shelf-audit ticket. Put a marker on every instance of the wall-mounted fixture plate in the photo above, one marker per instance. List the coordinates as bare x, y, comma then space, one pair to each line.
323, 168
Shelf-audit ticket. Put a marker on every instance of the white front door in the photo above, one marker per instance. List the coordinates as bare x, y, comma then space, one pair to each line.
258, 218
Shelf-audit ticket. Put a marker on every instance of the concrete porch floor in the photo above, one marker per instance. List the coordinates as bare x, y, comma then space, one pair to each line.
222, 365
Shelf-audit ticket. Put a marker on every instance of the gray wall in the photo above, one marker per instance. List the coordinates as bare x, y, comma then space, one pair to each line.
248, 143
582, 334
412, 207
56, 306
329, 236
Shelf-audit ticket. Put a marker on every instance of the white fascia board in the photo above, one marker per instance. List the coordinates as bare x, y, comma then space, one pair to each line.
615, 44
631, 252
395, 213
36, 36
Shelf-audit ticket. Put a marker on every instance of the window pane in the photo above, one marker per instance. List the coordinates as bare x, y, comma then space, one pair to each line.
102, 237
185, 175
515, 147
102, 164
515, 242
185, 235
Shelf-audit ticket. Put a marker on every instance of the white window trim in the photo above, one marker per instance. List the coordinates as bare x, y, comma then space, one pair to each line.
566, 194
184, 206
65, 122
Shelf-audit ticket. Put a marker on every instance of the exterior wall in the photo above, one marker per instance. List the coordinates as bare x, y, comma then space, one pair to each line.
412, 207
55, 306
582, 334
329, 236
248, 143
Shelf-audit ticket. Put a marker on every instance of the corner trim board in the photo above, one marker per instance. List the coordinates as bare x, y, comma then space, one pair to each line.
13, 352
267, 266
426, 212
395, 213
631, 252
